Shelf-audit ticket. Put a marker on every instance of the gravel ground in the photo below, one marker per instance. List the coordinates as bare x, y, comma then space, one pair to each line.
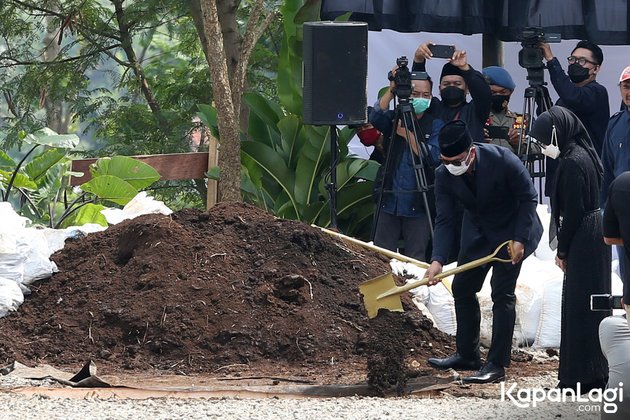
18, 406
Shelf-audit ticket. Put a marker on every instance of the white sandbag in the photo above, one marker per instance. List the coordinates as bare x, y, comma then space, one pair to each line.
12, 266
442, 305
139, 205
548, 334
37, 265
11, 259
535, 273
10, 224
417, 300
11, 296
484, 297
528, 307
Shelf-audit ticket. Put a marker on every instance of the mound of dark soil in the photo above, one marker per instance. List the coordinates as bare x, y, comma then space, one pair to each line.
230, 289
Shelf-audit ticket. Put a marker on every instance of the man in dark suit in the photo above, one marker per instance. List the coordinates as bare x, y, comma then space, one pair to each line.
499, 202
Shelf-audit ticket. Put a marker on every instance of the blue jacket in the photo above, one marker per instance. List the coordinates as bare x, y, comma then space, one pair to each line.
616, 153
503, 208
398, 180
589, 102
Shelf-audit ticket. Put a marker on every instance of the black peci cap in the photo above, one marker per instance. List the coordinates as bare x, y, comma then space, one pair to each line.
454, 138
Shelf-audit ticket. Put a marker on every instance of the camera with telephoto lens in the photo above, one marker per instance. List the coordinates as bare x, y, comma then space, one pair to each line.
605, 302
402, 79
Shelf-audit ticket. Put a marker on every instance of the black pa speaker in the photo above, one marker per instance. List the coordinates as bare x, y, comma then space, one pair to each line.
335, 73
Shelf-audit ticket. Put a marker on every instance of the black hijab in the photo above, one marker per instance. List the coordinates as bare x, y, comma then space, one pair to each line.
570, 134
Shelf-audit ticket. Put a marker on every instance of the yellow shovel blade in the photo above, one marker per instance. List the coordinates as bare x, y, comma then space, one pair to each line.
373, 288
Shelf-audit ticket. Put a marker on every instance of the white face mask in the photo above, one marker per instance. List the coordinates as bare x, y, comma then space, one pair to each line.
460, 169
552, 151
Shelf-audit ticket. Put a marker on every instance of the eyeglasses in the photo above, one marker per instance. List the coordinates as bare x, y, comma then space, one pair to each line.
580, 60
458, 162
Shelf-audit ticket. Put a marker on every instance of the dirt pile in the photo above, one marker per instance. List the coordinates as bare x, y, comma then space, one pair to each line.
228, 290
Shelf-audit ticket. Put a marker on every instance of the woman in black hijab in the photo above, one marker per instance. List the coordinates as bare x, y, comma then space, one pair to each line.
576, 230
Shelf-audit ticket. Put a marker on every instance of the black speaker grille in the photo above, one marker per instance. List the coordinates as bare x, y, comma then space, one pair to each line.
335, 73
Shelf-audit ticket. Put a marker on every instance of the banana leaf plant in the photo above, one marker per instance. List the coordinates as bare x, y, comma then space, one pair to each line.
37, 185
289, 165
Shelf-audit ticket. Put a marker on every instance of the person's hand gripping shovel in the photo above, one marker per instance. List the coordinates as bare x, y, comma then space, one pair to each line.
383, 293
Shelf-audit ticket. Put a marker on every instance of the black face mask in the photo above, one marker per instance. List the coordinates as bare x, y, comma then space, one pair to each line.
577, 73
498, 102
452, 96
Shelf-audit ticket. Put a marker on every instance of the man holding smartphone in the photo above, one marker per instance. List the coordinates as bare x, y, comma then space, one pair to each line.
457, 79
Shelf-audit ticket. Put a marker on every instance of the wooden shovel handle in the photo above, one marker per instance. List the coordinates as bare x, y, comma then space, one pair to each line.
386, 252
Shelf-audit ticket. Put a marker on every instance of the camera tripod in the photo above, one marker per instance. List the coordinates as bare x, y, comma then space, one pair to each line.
535, 94
404, 115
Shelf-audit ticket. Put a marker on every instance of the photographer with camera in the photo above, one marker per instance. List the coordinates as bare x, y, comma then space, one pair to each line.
579, 92
456, 80
408, 144
614, 331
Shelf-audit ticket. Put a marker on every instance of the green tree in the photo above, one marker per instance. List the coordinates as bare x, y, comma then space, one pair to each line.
126, 73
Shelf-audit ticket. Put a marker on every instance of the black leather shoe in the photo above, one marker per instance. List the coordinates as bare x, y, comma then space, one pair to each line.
488, 374
454, 362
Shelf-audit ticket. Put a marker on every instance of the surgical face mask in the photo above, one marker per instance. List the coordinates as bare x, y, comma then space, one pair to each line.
420, 104
460, 169
552, 151
578, 73
499, 103
453, 96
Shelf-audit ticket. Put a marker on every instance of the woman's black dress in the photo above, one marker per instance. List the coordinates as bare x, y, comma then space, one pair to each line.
588, 270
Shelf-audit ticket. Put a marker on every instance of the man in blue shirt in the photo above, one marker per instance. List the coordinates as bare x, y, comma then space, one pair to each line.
399, 187
616, 151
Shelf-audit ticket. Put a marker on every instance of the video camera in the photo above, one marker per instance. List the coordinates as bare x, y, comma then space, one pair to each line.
402, 79
531, 56
605, 302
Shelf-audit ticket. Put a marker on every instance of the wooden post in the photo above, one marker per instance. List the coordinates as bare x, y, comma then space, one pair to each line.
213, 161
492, 51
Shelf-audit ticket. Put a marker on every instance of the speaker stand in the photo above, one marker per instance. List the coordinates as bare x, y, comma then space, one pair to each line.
332, 185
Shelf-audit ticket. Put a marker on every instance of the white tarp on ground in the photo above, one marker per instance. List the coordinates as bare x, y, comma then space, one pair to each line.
538, 297
25, 251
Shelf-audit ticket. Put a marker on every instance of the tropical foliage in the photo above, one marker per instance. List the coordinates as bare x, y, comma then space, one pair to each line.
37, 185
